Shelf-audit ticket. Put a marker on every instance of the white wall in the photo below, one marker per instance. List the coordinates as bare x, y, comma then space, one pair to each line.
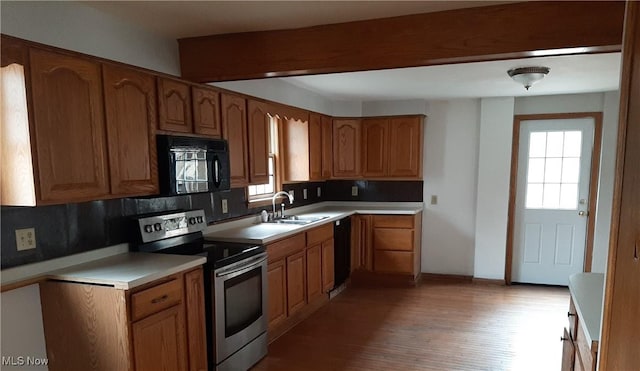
394, 107
22, 333
559, 104
450, 172
494, 169
75, 26
605, 183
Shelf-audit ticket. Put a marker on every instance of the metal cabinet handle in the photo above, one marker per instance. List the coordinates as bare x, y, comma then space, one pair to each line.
160, 299
569, 314
562, 338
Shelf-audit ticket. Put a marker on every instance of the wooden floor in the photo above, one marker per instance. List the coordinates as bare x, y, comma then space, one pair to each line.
436, 326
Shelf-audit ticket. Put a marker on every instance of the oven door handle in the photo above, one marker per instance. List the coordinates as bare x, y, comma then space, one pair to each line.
243, 268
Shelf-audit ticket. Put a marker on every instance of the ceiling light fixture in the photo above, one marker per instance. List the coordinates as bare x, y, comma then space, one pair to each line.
528, 76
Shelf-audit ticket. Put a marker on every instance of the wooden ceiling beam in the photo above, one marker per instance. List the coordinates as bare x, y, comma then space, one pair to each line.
516, 30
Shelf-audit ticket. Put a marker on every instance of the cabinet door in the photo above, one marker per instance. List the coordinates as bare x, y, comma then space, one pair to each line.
174, 104
314, 272
405, 147
130, 113
295, 150
327, 149
296, 282
315, 146
69, 127
361, 251
196, 320
568, 352
206, 111
277, 286
159, 341
234, 130
375, 135
328, 269
258, 142
346, 148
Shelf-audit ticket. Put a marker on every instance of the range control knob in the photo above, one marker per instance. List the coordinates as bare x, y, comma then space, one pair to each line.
199, 219
157, 226
192, 220
148, 228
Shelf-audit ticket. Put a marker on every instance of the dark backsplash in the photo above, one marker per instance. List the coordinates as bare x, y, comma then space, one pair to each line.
68, 229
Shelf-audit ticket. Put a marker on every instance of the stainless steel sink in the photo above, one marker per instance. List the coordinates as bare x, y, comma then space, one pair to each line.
298, 220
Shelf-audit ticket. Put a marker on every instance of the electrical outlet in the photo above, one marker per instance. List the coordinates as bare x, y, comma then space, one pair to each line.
225, 206
319, 192
26, 239
304, 193
354, 190
434, 199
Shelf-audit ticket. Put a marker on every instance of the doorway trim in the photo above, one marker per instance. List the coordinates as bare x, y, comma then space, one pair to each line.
593, 186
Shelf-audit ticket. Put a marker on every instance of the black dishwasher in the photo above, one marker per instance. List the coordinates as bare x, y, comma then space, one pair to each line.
342, 249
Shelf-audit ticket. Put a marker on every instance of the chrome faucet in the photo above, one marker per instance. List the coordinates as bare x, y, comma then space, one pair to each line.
273, 202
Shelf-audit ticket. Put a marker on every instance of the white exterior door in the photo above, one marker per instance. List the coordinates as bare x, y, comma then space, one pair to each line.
550, 229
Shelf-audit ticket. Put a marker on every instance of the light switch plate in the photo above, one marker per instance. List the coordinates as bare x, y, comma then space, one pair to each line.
291, 193
304, 193
434, 199
354, 190
26, 239
319, 192
225, 206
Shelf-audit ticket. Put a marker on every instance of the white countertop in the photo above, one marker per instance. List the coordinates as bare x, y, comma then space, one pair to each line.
250, 230
587, 290
128, 270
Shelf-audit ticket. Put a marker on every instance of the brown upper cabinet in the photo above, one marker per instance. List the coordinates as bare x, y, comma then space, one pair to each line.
375, 138
405, 146
315, 146
130, 113
187, 108
258, 131
327, 149
84, 130
392, 147
174, 104
206, 111
70, 133
234, 130
346, 148
295, 146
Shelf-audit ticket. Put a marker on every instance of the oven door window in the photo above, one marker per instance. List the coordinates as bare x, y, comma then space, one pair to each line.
243, 301
191, 169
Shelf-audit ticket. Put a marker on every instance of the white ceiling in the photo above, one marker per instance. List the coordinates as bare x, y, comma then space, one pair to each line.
176, 19
568, 75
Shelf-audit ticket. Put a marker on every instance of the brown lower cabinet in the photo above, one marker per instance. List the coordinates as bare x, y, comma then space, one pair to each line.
386, 246
158, 326
577, 353
300, 274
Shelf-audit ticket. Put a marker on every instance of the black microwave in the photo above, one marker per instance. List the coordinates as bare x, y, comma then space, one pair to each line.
192, 165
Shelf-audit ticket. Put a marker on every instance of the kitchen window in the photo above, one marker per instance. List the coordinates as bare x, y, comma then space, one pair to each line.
261, 192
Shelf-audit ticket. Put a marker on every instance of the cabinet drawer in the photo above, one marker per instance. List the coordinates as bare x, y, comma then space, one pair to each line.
156, 298
393, 262
320, 234
286, 247
393, 239
393, 221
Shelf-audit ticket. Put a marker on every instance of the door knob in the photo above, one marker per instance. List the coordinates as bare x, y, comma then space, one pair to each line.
583, 213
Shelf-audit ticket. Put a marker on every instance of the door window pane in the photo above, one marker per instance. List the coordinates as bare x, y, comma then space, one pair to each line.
534, 196
570, 170
555, 140
569, 196
551, 196
553, 170
572, 143
536, 170
537, 144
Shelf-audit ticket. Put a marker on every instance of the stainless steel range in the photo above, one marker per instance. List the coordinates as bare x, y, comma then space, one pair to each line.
235, 285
